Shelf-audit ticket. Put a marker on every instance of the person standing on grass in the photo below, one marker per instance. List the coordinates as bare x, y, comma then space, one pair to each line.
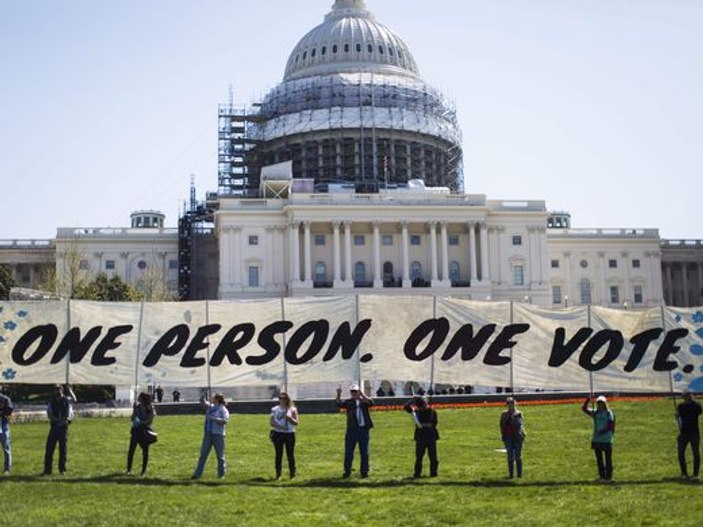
6, 409
359, 425
512, 431
284, 419
426, 434
687, 414
60, 413
159, 394
216, 418
142, 416
602, 439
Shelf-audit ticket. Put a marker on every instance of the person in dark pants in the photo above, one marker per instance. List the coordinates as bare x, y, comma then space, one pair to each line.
176, 396
602, 439
284, 419
142, 416
426, 434
60, 413
687, 414
359, 425
159, 394
6, 409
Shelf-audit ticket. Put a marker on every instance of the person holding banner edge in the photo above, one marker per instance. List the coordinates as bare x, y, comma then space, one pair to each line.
602, 439
426, 434
60, 413
687, 414
359, 425
216, 418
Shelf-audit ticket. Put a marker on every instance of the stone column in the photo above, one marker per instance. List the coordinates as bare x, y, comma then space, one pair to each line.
684, 281
445, 253
605, 294
670, 282
308, 255
627, 289
377, 279
294, 237
699, 290
499, 249
336, 254
485, 273
348, 276
567, 279
236, 258
434, 278
406, 254
472, 251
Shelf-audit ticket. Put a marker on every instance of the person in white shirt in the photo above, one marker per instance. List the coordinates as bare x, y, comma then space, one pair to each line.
284, 419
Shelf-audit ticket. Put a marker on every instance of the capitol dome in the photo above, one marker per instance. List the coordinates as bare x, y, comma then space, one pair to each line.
349, 40
351, 110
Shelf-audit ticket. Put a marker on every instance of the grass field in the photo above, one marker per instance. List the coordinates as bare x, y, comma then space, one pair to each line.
559, 486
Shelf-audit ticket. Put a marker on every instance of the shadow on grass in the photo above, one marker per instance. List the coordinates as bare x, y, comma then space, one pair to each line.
119, 478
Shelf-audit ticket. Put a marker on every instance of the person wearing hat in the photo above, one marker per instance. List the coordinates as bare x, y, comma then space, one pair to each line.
6, 409
512, 432
602, 439
426, 434
687, 414
359, 425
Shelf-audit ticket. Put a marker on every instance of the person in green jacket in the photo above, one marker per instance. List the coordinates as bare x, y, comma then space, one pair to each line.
602, 439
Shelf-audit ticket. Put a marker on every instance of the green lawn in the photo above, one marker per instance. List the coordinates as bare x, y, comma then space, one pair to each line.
559, 485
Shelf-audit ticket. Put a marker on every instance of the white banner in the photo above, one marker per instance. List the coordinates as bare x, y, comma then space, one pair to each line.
430, 340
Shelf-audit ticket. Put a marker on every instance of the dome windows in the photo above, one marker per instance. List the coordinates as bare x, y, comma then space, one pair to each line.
358, 48
390, 50
380, 49
334, 48
312, 54
305, 55
323, 51
370, 48
346, 48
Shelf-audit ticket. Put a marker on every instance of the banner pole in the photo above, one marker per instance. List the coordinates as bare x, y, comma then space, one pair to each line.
512, 371
139, 346
434, 315
68, 328
285, 362
671, 379
358, 351
590, 373
207, 350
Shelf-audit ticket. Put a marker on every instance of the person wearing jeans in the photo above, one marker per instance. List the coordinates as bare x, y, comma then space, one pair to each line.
512, 431
602, 439
359, 425
216, 418
6, 408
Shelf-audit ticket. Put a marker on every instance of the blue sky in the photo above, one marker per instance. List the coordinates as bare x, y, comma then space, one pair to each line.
592, 105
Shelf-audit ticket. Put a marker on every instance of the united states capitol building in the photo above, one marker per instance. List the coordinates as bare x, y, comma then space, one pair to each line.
347, 178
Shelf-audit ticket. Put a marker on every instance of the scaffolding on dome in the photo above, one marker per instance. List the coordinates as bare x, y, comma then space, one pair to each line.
370, 129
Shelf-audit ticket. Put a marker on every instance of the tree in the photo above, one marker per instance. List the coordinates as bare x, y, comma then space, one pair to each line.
6, 282
106, 289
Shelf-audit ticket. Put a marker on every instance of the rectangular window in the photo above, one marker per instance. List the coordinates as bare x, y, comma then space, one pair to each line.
359, 239
614, 294
173, 265
109, 265
453, 239
319, 239
613, 264
636, 264
518, 275
555, 264
253, 240
637, 290
253, 276
83, 265
585, 287
415, 239
556, 294
387, 239
517, 240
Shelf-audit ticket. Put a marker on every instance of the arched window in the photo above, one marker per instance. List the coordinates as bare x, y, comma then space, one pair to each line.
334, 48
585, 290
346, 48
415, 270
305, 55
370, 48
359, 272
390, 51
323, 51
380, 49
387, 270
454, 271
358, 48
314, 51
320, 272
